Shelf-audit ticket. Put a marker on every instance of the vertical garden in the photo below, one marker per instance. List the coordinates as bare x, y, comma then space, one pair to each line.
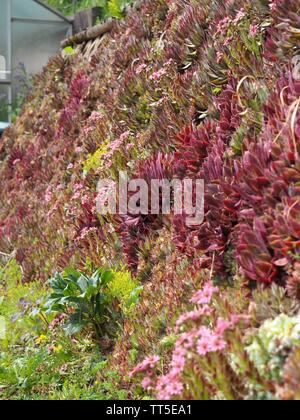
147, 306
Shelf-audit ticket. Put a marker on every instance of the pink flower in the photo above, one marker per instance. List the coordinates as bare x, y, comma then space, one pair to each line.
76, 196
70, 166
157, 75
240, 15
209, 342
88, 130
117, 144
140, 68
178, 360
204, 296
104, 195
169, 387
202, 347
147, 365
48, 195
217, 344
147, 383
124, 136
85, 200
253, 31
193, 316
222, 326
78, 187
169, 62
187, 340
95, 116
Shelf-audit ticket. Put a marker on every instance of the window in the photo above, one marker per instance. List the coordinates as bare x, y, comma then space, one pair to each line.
30, 33
5, 40
2, 67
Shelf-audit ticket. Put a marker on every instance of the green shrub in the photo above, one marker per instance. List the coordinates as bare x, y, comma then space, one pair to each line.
84, 299
126, 290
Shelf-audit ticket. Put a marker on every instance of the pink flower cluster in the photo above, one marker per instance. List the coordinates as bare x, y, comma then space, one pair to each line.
117, 144
96, 116
48, 195
194, 316
92, 121
140, 68
223, 26
78, 188
146, 366
253, 31
239, 16
157, 75
209, 342
129, 146
205, 295
199, 340
170, 385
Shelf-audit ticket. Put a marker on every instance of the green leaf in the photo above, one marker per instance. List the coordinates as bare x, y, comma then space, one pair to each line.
75, 324
83, 283
69, 50
135, 295
106, 277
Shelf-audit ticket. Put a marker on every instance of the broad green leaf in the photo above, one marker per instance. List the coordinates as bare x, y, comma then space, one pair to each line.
83, 283
75, 324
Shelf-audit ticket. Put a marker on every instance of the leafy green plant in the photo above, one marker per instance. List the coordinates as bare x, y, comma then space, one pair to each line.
84, 299
116, 7
126, 290
110, 8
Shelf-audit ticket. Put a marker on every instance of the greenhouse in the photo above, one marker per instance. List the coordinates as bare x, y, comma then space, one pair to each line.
30, 33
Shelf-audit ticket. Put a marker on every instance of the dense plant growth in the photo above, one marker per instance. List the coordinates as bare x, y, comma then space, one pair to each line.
182, 88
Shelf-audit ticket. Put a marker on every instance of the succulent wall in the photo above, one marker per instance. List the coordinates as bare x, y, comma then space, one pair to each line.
182, 88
